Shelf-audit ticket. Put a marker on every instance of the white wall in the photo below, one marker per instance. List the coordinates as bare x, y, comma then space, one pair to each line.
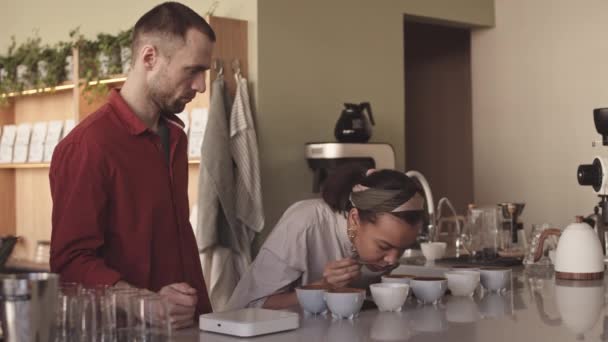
536, 78
313, 56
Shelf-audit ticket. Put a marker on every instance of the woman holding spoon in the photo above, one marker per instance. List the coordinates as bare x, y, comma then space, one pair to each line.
356, 232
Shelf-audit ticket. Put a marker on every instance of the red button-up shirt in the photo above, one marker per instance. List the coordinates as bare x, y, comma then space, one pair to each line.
119, 211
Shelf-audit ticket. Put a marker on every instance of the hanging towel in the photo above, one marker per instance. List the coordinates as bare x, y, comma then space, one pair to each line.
244, 147
215, 215
216, 211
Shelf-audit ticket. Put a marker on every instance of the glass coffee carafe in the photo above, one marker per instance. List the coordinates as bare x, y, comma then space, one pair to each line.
481, 232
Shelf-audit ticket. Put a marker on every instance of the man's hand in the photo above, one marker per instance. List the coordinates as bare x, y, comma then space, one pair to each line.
182, 299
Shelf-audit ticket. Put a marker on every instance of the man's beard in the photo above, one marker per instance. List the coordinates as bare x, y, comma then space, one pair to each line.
163, 99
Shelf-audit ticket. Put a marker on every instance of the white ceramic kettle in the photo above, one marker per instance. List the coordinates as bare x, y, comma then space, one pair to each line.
579, 254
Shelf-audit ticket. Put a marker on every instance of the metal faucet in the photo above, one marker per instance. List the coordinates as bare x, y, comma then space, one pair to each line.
445, 201
433, 226
430, 205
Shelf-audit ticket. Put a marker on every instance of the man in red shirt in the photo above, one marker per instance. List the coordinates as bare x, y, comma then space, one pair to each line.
119, 180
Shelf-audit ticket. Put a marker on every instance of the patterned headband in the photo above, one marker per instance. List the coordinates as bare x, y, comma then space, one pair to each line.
382, 200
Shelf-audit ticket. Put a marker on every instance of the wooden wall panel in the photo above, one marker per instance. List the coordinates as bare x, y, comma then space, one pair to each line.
7, 180
44, 107
33, 209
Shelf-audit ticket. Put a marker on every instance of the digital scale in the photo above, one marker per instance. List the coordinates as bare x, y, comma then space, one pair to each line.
249, 322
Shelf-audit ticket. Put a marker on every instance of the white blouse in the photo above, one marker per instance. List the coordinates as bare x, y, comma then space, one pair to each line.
308, 236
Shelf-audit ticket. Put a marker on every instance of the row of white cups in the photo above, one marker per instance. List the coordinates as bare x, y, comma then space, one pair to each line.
391, 294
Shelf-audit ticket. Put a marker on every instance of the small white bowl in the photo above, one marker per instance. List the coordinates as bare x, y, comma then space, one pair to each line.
345, 302
495, 279
463, 283
397, 278
429, 289
433, 250
390, 296
312, 299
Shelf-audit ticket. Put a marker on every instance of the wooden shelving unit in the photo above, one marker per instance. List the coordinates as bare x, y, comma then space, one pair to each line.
25, 200
25, 166
46, 165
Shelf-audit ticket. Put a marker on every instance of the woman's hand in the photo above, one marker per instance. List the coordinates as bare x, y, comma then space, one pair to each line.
340, 273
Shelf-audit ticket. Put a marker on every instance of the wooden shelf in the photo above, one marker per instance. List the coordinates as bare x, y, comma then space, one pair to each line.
27, 265
46, 165
65, 86
25, 166
111, 80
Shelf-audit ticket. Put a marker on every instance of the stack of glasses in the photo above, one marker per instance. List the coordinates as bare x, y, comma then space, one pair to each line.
107, 314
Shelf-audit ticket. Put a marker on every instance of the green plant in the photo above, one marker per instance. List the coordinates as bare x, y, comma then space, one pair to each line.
3, 99
31, 52
55, 58
28, 54
9, 64
110, 48
125, 38
88, 66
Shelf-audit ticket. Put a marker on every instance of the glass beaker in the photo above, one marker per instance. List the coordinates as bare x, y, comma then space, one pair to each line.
534, 237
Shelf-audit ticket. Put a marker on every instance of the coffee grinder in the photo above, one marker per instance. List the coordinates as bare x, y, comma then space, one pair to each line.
596, 176
511, 223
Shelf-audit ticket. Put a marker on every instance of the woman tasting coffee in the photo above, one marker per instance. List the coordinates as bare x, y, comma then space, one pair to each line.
355, 233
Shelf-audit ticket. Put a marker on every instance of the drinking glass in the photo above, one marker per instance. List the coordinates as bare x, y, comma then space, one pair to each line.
151, 318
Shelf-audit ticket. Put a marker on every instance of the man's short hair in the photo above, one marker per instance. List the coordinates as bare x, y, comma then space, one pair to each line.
170, 19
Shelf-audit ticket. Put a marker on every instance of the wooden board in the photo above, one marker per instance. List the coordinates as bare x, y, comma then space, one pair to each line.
193, 170
33, 209
43, 107
231, 44
7, 202
7, 181
32, 199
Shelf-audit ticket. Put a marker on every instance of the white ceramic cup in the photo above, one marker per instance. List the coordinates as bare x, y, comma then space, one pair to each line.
433, 250
495, 279
312, 299
397, 278
429, 289
389, 296
345, 302
463, 282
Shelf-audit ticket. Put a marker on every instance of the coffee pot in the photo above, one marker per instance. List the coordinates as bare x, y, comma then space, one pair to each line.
354, 126
579, 254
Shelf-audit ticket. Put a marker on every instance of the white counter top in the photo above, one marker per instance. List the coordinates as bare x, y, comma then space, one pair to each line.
536, 309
